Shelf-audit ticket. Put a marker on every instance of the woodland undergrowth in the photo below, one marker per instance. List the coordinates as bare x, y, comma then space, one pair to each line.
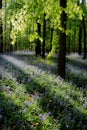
32, 97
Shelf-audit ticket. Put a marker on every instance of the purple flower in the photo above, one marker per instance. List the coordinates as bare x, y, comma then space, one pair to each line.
11, 104
67, 118
67, 126
1, 116
85, 126
4, 128
0, 110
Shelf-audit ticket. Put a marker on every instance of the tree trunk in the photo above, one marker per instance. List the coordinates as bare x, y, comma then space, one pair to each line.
69, 45
11, 46
4, 44
38, 42
62, 42
44, 35
84, 29
1, 31
80, 41
80, 35
51, 38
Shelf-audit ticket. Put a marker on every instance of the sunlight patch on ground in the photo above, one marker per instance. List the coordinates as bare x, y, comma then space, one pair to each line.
54, 90
77, 57
23, 52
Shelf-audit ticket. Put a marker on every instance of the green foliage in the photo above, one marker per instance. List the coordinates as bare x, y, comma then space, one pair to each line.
74, 11
54, 46
24, 15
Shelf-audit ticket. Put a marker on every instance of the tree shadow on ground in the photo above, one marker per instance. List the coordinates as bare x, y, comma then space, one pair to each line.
76, 73
62, 110
11, 117
71, 76
81, 64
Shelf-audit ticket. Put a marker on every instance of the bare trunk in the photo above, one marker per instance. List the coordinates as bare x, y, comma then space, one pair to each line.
80, 41
84, 29
1, 31
62, 42
44, 35
38, 42
51, 38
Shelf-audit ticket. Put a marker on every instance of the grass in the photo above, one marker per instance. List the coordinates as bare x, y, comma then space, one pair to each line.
32, 97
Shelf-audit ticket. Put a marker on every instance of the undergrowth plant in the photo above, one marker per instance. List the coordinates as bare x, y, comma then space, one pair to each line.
32, 97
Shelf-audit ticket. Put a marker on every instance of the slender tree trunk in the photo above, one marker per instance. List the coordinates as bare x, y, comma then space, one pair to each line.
80, 41
38, 42
1, 31
4, 44
62, 42
44, 36
74, 41
80, 35
11, 46
51, 38
69, 44
84, 29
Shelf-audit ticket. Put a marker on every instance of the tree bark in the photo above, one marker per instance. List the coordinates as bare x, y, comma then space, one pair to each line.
69, 45
38, 42
62, 42
51, 38
44, 36
84, 29
1, 31
5, 23
80, 35
80, 41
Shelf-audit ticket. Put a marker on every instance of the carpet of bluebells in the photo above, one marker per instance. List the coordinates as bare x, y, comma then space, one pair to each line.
33, 97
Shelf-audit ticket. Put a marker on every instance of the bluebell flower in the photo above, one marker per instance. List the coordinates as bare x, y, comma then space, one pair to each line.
0, 110
4, 128
11, 104
1, 116
67, 126
67, 118
85, 127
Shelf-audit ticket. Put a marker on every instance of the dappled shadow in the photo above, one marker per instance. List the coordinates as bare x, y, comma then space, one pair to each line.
77, 72
11, 117
82, 64
74, 73
76, 79
68, 115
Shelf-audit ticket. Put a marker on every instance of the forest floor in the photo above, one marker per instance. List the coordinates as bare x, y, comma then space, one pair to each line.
32, 97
